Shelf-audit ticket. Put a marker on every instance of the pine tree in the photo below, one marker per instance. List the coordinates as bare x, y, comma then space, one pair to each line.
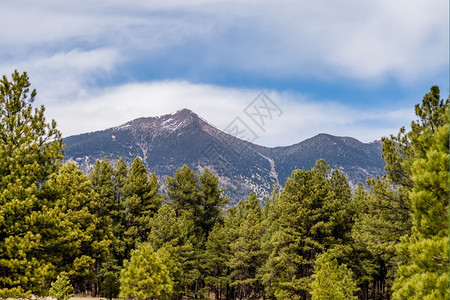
182, 191
380, 226
30, 150
118, 211
142, 202
144, 276
387, 215
174, 238
120, 178
331, 280
102, 183
200, 199
246, 251
212, 201
423, 271
61, 289
77, 232
390, 225
216, 256
310, 218
110, 272
365, 265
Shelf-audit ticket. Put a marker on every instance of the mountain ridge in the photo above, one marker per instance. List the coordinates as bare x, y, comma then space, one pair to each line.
167, 142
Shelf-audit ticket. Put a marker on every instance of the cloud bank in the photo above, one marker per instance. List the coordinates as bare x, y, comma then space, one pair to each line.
99, 63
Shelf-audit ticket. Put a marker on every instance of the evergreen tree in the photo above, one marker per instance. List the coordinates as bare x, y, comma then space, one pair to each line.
110, 272
120, 178
142, 202
231, 229
423, 270
247, 252
369, 270
182, 191
118, 212
385, 218
173, 238
388, 227
212, 201
102, 179
144, 276
216, 257
30, 150
310, 213
331, 280
270, 213
61, 289
102, 183
78, 232
201, 200
387, 215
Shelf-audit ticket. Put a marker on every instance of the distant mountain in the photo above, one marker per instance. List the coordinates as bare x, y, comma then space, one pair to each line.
166, 143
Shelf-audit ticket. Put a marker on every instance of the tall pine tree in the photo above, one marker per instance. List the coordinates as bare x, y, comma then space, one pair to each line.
142, 201
77, 231
423, 270
310, 219
246, 251
30, 150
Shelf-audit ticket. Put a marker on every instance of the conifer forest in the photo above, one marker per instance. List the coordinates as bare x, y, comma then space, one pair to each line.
112, 233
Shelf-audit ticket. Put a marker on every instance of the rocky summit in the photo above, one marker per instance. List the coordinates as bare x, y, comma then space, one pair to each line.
167, 142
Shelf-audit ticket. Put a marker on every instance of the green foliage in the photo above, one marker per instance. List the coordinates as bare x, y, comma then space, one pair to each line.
78, 231
403, 220
197, 203
165, 228
120, 177
144, 276
118, 210
216, 257
174, 239
312, 240
142, 201
30, 151
61, 289
211, 201
381, 219
200, 196
246, 250
102, 182
110, 272
331, 280
384, 219
174, 258
310, 217
182, 189
423, 271
431, 177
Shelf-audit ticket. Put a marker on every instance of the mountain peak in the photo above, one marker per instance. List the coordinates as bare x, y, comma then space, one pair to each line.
184, 112
165, 123
179, 119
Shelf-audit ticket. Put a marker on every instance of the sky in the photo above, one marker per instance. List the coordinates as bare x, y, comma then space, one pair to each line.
343, 67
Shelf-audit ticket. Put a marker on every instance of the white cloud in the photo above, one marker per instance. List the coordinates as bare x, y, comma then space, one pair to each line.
302, 117
66, 46
65, 75
362, 40
399, 38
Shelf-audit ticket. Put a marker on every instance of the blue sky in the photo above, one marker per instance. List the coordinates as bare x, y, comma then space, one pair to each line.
347, 67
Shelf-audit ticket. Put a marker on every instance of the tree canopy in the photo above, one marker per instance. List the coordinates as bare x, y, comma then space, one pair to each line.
117, 231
